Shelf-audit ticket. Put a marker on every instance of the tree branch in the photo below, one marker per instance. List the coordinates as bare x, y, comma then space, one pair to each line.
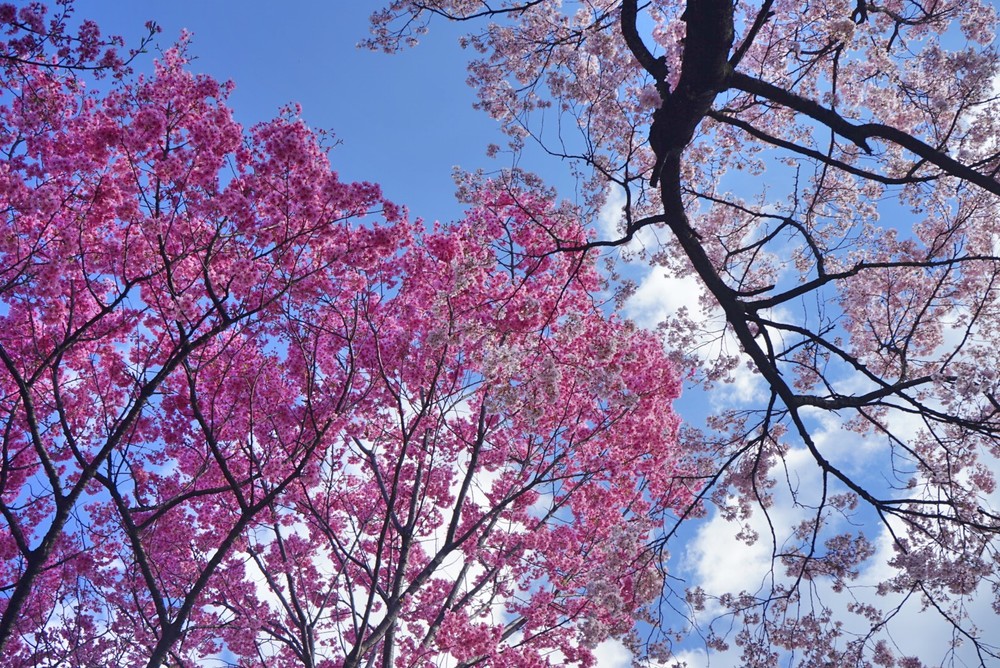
860, 134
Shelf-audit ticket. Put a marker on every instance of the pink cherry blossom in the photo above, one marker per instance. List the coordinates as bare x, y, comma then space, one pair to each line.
253, 411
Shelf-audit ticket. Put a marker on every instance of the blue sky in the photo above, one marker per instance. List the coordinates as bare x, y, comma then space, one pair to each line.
404, 121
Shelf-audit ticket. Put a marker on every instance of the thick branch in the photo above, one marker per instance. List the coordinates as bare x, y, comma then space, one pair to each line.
814, 154
860, 134
704, 73
655, 66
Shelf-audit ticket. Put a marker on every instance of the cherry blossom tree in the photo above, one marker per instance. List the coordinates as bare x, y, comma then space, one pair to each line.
253, 414
827, 170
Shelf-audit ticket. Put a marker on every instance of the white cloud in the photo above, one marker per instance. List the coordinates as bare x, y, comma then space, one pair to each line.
719, 563
660, 297
609, 217
612, 654
611, 226
692, 658
722, 563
